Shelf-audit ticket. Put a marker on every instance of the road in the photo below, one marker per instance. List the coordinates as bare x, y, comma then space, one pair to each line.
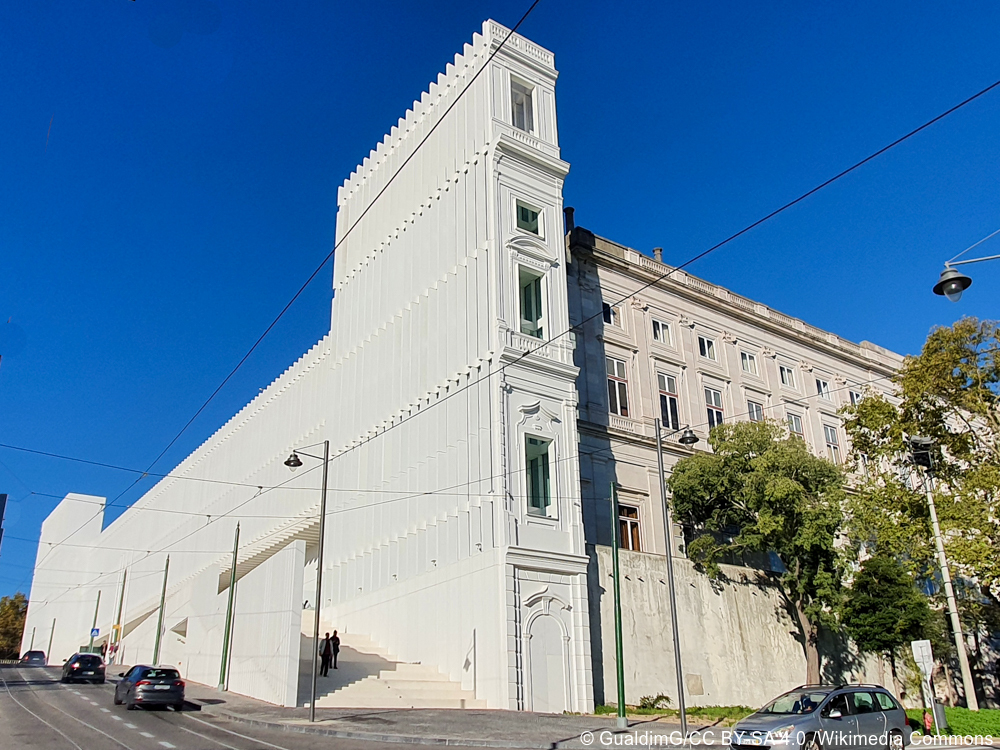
37, 711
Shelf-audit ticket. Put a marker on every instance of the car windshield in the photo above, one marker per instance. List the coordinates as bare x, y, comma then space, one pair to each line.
161, 674
795, 702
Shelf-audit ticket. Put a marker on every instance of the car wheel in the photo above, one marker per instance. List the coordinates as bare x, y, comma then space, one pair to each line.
895, 740
179, 706
100, 682
811, 743
130, 707
116, 700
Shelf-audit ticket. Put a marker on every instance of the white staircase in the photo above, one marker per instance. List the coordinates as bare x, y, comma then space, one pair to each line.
368, 677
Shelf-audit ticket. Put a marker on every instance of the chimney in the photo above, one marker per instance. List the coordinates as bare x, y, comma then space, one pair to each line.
570, 224
658, 254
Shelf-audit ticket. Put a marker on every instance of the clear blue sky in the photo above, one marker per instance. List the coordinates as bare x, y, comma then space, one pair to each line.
168, 176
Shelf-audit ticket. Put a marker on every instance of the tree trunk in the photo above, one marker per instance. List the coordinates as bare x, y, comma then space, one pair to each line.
809, 644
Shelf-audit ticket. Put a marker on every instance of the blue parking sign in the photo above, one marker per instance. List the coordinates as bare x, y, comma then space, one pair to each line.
95, 632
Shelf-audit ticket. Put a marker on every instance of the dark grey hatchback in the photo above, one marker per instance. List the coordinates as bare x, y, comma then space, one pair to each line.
150, 686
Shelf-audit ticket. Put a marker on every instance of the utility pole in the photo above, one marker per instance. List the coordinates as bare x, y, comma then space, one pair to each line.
31, 646
48, 654
622, 721
117, 629
90, 648
922, 456
671, 587
159, 618
229, 612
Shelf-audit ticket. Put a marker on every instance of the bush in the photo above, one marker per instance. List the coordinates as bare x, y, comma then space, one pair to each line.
654, 702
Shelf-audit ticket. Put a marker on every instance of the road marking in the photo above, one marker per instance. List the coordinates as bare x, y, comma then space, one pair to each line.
93, 703
228, 731
7, 688
106, 710
147, 734
167, 744
130, 726
117, 718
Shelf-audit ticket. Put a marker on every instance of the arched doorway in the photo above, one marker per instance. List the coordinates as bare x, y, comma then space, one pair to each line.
547, 665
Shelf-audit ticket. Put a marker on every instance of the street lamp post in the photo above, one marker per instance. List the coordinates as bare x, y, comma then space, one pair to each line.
922, 456
952, 283
293, 462
687, 438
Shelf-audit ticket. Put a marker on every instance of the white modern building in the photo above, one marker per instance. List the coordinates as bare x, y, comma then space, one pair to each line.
465, 556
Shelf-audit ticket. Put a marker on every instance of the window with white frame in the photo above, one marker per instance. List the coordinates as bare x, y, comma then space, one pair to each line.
832, 443
823, 389
612, 314
531, 302
527, 217
536, 462
787, 375
713, 403
755, 411
748, 362
617, 387
855, 397
795, 425
669, 412
706, 348
661, 332
628, 528
521, 106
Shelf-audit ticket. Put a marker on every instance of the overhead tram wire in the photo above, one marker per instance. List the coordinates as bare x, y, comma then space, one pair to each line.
330, 255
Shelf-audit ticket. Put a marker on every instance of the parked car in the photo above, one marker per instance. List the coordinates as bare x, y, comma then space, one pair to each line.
83, 668
150, 686
34, 659
821, 717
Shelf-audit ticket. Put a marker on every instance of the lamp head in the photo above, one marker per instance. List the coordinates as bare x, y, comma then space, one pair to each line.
952, 283
293, 461
688, 437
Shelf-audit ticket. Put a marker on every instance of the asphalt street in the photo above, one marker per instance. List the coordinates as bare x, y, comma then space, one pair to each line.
37, 711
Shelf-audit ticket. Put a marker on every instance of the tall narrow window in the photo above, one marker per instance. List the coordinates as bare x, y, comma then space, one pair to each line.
706, 347
855, 397
755, 411
628, 528
612, 314
536, 460
531, 303
832, 443
661, 332
748, 362
527, 217
521, 107
795, 425
787, 376
617, 387
669, 413
823, 389
713, 401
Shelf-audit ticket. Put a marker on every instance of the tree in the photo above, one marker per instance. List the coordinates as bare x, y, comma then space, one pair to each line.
770, 495
950, 393
13, 610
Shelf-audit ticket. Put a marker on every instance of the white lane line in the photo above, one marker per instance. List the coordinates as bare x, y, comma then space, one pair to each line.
57, 731
130, 726
229, 731
147, 735
93, 703
117, 718
106, 710
167, 744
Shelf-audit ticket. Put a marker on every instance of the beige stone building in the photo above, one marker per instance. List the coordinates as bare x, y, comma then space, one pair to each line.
694, 355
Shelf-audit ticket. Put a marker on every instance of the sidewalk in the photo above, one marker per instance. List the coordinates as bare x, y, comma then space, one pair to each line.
482, 728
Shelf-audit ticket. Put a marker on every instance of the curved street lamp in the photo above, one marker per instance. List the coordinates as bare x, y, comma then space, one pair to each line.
952, 283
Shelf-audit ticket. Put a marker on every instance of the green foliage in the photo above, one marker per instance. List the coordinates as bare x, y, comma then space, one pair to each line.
724, 715
985, 721
654, 701
13, 610
778, 498
883, 610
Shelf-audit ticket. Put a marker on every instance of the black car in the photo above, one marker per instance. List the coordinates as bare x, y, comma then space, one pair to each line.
150, 686
34, 659
84, 668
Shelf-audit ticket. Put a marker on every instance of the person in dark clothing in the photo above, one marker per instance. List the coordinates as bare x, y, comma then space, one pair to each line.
335, 643
325, 655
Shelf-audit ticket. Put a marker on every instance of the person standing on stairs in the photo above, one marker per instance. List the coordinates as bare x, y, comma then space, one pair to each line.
335, 642
326, 655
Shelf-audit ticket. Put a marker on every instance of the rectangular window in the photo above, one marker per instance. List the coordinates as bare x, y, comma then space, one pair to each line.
706, 347
628, 528
522, 111
795, 425
787, 376
617, 387
713, 401
527, 217
823, 389
748, 362
531, 303
669, 413
755, 411
612, 314
855, 397
661, 332
832, 443
536, 461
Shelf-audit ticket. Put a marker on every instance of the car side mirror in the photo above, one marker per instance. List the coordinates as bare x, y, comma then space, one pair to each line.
835, 714
121, 674
65, 660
